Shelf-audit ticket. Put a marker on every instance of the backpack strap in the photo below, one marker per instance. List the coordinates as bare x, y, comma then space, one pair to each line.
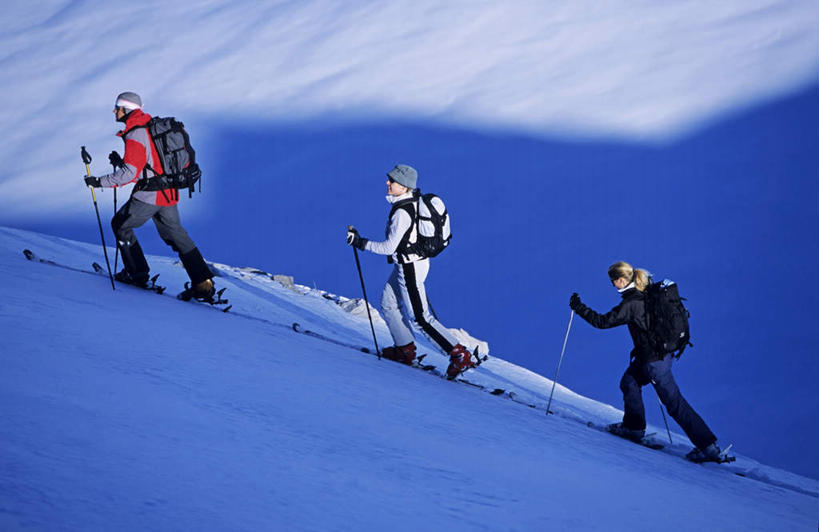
403, 247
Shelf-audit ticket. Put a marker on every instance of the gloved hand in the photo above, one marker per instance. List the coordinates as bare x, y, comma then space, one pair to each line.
92, 181
354, 239
574, 302
115, 160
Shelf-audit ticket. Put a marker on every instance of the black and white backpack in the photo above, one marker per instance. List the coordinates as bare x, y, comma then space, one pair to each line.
431, 226
432, 223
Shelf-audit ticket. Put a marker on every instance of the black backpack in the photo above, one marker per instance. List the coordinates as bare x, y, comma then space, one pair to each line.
178, 157
667, 318
432, 226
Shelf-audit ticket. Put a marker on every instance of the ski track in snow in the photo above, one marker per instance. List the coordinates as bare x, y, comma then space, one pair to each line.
127, 410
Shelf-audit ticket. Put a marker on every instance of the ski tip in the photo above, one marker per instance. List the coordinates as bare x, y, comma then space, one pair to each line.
498, 391
29, 254
296, 327
227, 308
479, 359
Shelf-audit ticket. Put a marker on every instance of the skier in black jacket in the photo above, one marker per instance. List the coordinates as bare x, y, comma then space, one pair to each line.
646, 366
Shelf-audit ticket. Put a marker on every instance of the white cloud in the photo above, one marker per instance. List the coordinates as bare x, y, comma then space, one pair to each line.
644, 71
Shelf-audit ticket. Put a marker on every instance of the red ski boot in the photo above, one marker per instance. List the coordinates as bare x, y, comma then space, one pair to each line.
460, 360
404, 354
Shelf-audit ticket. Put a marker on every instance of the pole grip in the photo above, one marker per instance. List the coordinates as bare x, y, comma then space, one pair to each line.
88, 173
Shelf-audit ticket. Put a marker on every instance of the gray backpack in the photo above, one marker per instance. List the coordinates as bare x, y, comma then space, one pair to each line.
178, 157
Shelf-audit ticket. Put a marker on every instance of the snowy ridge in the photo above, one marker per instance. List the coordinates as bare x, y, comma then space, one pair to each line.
138, 411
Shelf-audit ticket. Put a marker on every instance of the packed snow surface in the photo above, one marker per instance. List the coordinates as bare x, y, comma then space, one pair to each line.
125, 410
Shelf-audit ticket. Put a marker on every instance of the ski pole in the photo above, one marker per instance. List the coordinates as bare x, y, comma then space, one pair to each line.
662, 411
86, 158
367, 303
116, 250
559, 362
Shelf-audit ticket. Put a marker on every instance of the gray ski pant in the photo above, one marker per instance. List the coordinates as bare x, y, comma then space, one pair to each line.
135, 213
404, 300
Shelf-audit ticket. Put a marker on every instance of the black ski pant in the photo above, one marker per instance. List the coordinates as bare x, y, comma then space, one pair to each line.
135, 213
658, 373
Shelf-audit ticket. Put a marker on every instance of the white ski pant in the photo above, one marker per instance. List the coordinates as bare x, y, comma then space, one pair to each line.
404, 300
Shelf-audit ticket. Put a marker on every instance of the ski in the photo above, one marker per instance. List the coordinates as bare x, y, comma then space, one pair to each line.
153, 287
301, 330
96, 269
30, 255
646, 441
417, 363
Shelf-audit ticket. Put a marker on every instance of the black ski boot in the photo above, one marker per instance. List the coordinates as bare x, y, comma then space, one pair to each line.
135, 267
630, 434
124, 277
712, 453
201, 286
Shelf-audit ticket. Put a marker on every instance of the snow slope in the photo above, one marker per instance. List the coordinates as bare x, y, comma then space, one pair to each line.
131, 411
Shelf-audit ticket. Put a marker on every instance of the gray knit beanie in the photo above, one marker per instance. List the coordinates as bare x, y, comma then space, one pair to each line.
129, 101
405, 175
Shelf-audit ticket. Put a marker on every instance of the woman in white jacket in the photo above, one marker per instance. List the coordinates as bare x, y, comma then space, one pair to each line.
404, 296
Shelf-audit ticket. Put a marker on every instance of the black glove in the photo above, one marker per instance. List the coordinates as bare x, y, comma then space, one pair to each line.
115, 160
354, 239
574, 302
92, 181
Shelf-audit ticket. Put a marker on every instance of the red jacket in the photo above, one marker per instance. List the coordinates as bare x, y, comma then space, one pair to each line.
139, 151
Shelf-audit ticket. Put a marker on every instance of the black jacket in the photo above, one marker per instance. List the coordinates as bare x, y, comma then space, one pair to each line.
632, 312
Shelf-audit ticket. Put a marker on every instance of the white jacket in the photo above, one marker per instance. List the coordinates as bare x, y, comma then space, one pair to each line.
397, 228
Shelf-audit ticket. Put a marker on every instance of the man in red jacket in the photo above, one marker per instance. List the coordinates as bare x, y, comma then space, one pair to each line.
141, 162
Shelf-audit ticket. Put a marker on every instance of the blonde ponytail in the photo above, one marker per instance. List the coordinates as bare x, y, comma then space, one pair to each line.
640, 277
